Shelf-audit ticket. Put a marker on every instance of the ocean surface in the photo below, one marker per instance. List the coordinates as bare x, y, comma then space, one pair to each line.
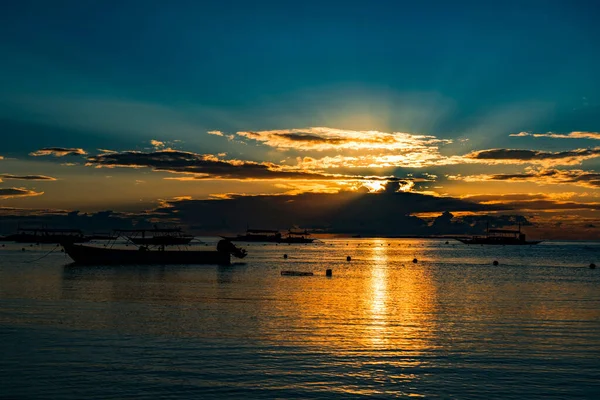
451, 325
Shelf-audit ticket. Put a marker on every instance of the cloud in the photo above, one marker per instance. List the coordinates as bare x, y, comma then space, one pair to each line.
157, 144
27, 177
58, 152
522, 156
542, 176
572, 135
323, 138
208, 166
7, 193
216, 133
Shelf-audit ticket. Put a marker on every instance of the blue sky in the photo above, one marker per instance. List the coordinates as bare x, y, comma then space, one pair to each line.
117, 74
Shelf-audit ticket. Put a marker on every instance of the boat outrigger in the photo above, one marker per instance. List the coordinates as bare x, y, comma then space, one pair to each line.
500, 237
151, 254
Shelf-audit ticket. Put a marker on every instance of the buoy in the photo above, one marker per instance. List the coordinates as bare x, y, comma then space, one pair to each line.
415, 260
495, 262
31, 245
23, 249
348, 258
446, 242
328, 272
285, 256
592, 266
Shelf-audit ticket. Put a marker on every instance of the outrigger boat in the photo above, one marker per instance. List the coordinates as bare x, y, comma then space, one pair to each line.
500, 237
151, 254
297, 237
271, 236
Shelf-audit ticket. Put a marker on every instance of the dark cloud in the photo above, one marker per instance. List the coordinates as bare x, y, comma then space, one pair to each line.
577, 177
347, 212
27, 177
7, 193
207, 166
534, 156
58, 152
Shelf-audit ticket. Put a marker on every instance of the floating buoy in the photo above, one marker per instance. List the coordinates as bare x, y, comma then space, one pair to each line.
348, 258
285, 256
495, 262
592, 266
415, 260
446, 242
23, 249
328, 272
31, 245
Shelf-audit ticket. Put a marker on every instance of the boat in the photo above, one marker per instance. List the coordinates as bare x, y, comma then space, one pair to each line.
297, 237
146, 255
271, 236
500, 237
156, 236
256, 235
46, 236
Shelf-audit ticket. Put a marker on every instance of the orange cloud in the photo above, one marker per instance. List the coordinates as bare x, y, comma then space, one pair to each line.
572, 135
323, 138
8, 193
58, 152
542, 176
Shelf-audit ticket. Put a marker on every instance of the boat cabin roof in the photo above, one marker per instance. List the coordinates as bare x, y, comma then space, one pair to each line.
261, 231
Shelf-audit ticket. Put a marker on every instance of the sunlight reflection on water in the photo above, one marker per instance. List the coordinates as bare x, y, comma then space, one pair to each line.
450, 325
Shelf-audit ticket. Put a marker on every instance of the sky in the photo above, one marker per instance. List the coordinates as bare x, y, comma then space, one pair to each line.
143, 106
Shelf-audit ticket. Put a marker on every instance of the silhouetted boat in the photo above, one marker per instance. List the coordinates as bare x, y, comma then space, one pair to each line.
156, 237
297, 237
271, 236
256, 235
92, 255
500, 237
45, 236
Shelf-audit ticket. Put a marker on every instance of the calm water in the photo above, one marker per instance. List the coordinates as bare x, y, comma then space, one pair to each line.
450, 326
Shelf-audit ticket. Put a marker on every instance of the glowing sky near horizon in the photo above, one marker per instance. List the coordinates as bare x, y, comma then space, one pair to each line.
120, 106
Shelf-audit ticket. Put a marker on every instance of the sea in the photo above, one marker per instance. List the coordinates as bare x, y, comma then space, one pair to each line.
402, 318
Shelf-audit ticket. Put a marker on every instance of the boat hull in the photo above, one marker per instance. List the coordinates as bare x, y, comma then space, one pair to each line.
90, 255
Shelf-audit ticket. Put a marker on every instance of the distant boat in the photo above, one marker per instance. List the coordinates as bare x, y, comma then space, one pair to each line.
297, 237
156, 237
46, 236
271, 236
500, 237
92, 255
